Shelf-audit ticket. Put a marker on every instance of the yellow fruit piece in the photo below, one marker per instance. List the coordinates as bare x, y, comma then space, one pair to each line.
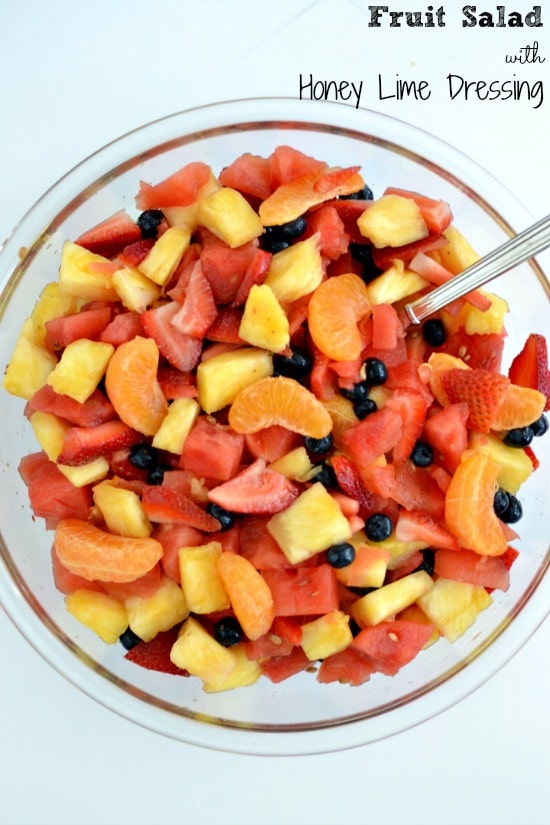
49, 431
149, 615
245, 672
122, 510
162, 260
77, 276
227, 214
52, 303
309, 525
29, 365
513, 466
458, 254
296, 271
221, 377
343, 416
136, 291
326, 635
392, 220
454, 606
80, 368
264, 323
394, 284
177, 215
384, 603
295, 465
201, 655
176, 425
88, 473
103, 614
200, 580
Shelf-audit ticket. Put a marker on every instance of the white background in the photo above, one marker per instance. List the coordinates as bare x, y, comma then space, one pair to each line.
75, 75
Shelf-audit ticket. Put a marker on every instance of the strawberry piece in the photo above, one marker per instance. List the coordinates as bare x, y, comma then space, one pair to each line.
111, 235
416, 525
327, 224
350, 482
255, 489
182, 351
225, 328
135, 253
155, 655
198, 310
482, 390
530, 366
405, 566
166, 505
176, 384
83, 444
97, 409
349, 211
411, 407
177, 286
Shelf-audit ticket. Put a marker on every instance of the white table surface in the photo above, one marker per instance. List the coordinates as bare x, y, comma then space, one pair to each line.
75, 75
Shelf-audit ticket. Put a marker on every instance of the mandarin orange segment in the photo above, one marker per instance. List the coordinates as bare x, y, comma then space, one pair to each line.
87, 551
469, 512
279, 400
334, 310
248, 593
132, 386
520, 408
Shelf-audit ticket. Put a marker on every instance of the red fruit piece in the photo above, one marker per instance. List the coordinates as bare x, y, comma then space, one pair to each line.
249, 174
179, 189
350, 482
212, 451
52, 496
198, 310
333, 239
134, 253
255, 489
254, 273
308, 591
176, 384
279, 668
182, 351
83, 444
378, 433
390, 645
287, 163
123, 327
416, 525
414, 489
110, 236
384, 257
347, 667
437, 214
411, 407
165, 506
155, 655
530, 367
89, 323
258, 545
447, 433
468, 566
97, 409
482, 390
334, 178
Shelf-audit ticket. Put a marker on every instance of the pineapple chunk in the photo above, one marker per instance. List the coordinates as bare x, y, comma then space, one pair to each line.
29, 365
103, 614
201, 655
369, 567
220, 377
49, 431
309, 525
200, 580
149, 615
245, 672
296, 271
326, 635
77, 276
264, 323
227, 214
161, 262
394, 284
176, 425
477, 321
89, 473
514, 466
135, 290
454, 606
188, 214
458, 254
52, 303
392, 220
122, 510
382, 604
296, 465
80, 369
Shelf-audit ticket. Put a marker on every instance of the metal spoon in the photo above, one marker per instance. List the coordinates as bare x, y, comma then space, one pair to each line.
532, 240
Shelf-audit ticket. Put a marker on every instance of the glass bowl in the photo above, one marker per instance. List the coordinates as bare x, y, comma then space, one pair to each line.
297, 716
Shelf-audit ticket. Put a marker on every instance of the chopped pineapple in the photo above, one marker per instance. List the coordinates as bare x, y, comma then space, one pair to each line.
296, 271
49, 431
514, 466
161, 262
458, 254
392, 220
227, 214
245, 672
136, 291
29, 366
201, 655
122, 510
103, 614
78, 277
176, 425
394, 284
200, 580
80, 369
454, 606
176, 215
382, 604
476, 321
326, 635
89, 473
149, 615
264, 323
309, 525
52, 303
220, 377
296, 465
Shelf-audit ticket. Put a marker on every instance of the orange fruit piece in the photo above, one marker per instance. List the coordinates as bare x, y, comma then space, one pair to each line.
335, 307
87, 551
132, 386
279, 400
248, 593
469, 512
440, 362
520, 407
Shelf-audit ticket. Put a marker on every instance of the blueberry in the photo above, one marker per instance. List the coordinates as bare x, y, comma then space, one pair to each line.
540, 426
129, 639
143, 456
358, 392
318, 446
228, 632
340, 555
226, 519
362, 253
434, 333
279, 237
376, 372
428, 561
378, 527
513, 512
500, 502
422, 454
364, 408
149, 221
326, 476
364, 194
156, 475
519, 437
296, 366
270, 243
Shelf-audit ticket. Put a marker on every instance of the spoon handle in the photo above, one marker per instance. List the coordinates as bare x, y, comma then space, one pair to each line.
532, 240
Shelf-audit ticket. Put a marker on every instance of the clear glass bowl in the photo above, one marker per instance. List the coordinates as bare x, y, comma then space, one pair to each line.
298, 716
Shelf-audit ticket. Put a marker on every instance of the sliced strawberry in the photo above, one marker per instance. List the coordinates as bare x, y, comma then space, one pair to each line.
182, 351
436, 213
530, 366
177, 286
88, 323
411, 407
404, 567
198, 310
97, 409
176, 384
482, 390
224, 267
225, 328
416, 525
110, 236
328, 225
123, 327
164, 505
155, 655
255, 489
134, 253
349, 210
83, 444
350, 482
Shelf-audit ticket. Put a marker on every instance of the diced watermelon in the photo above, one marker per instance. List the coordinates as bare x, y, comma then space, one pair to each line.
110, 236
144, 586
375, 435
287, 164
258, 545
308, 591
249, 174
347, 667
467, 566
279, 668
411, 407
447, 432
333, 238
172, 537
481, 351
268, 645
97, 409
389, 646
88, 323
415, 489
212, 450
288, 627
67, 582
51, 495
223, 266
255, 273
179, 189
123, 327
272, 442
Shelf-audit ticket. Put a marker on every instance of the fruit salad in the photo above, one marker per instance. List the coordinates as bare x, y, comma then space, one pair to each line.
250, 462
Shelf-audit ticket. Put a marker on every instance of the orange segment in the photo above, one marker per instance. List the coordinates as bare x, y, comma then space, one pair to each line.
248, 593
520, 407
94, 554
334, 310
132, 386
279, 400
469, 512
